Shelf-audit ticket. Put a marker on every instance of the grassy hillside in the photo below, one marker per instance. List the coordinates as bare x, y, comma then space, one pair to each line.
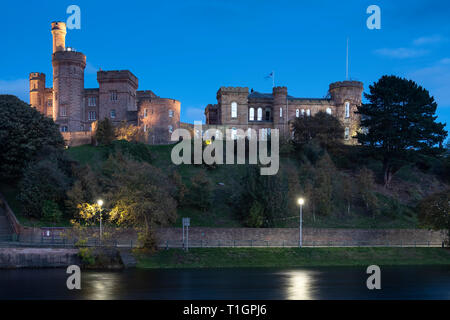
396, 204
408, 187
293, 257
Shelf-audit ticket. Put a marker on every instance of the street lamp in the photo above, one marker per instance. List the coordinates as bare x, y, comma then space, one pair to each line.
300, 201
100, 204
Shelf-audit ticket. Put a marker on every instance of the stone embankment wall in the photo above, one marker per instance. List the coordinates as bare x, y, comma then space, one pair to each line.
322, 235
37, 257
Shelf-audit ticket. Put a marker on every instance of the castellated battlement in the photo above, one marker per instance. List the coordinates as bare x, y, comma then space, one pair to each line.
279, 90
344, 84
69, 57
233, 90
37, 76
117, 76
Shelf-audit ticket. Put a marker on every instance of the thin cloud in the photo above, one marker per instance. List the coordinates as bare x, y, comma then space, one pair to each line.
18, 87
194, 114
428, 40
436, 79
401, 53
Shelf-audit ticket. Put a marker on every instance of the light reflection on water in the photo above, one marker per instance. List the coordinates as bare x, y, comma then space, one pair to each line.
300, 283
246, 283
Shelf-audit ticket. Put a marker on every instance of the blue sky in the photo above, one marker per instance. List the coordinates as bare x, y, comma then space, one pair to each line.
187, 49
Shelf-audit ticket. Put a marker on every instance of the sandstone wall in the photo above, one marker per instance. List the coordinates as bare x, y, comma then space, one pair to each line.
38, 258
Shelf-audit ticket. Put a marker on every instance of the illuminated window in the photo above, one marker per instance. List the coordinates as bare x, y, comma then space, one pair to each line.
281, 112
347, 133
328, 110
259, 114
92, 115
347, 109
251, 115
303, 112
234, 110
112, 114
297, 113
308, 112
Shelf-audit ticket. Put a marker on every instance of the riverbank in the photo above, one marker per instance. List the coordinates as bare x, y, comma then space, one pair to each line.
292, 257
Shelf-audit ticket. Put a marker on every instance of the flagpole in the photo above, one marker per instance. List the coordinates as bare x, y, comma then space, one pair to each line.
346, 66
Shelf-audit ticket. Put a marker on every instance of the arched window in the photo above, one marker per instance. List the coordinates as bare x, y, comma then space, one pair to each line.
251, 114
297, 113
308, 112
328, 110
234, 109
259, 114
303, 112
347, 109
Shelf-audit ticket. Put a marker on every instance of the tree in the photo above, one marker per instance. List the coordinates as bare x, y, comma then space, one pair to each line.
262, 196
44, 180
51, 212
322, 127
399, 121
23, 133
434, 212
366, 185
129, 132
104, 133
139, 196
200, 191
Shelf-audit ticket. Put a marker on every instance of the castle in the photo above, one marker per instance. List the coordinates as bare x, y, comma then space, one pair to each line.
75, 108
236, 108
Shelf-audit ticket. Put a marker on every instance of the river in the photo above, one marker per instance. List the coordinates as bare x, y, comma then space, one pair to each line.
418, 282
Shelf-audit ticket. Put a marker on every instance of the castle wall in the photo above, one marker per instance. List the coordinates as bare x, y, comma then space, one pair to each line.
37, 91
117, 94
68, 89
159, 118
48, 100
90, 94
227, 95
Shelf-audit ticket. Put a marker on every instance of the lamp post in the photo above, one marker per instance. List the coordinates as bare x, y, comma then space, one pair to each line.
100, 203
301, 201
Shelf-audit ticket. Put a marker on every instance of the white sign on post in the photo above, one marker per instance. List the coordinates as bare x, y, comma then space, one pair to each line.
186, 224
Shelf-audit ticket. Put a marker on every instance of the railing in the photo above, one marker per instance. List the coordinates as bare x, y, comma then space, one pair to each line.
132, 243
293, 244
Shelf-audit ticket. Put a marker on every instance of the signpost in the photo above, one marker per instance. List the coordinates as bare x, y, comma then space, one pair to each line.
186, 224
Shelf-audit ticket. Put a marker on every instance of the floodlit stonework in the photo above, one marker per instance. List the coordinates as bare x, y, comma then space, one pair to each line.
75, 108
237, 108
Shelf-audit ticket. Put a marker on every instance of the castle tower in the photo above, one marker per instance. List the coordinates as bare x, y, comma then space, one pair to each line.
233, 103
279, 107
59, 36
68, 82
37, 91
347, 96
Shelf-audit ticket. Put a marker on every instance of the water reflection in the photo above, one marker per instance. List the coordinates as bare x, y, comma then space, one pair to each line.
102, 285
300, 284
235, 284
